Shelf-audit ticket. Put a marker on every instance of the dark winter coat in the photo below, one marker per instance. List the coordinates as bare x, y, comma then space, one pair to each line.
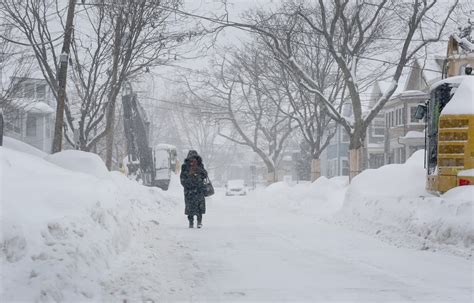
193, 183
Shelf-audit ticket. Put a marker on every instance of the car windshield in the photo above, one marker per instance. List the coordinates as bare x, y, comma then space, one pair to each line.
235, 183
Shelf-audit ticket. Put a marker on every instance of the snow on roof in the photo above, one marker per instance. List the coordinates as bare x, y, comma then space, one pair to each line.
464, 43
414, 134
431, 69
39, 107
462, 102
32, 106
165, 146
385, 85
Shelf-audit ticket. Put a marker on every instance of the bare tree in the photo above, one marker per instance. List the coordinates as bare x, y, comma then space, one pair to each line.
198, 129
355, 33
113, 43
306, 108
235, 95
15, 63
143, 39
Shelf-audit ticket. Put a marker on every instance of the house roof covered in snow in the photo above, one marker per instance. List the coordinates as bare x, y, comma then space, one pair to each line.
32, 106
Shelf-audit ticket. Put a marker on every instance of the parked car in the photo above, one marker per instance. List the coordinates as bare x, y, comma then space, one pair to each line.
235, 188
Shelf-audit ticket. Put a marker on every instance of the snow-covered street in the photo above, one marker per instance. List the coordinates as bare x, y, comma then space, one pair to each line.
250, 252
113, 240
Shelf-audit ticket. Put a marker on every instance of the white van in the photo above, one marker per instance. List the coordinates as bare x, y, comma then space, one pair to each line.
235, 188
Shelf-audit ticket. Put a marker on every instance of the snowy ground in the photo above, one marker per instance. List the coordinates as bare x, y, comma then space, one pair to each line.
71, 231
249, 252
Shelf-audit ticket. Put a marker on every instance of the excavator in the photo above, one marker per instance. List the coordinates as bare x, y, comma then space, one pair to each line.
449, 133
150, 166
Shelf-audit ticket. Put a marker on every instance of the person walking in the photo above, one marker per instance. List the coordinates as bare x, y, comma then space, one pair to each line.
192, 179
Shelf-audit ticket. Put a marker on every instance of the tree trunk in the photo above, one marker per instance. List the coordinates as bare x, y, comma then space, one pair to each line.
1, 127
271, 176
315, 169
110, 123
356, 162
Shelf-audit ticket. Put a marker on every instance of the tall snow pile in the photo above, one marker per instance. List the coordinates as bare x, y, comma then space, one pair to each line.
322, 197
64, 218
390, 202
393, 197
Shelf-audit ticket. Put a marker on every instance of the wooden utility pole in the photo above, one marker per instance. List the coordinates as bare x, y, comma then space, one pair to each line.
110, 123
62, 78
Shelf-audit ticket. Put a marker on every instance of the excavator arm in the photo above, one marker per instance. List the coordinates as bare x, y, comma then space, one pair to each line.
136, 127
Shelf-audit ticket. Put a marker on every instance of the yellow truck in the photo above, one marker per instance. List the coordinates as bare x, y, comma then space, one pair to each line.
449, 133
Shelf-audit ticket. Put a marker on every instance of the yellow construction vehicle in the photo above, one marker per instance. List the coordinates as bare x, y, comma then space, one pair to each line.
449, 133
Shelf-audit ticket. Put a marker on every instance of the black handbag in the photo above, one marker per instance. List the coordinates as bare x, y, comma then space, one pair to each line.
209, 188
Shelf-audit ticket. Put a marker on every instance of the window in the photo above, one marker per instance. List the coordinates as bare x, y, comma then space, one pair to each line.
376, 160
412, 115
345, 136
392, 116
30, 125
17, 90
13, 121
386, 120
332, 168
396, 117
378, 128
47, 126
345, 167
40, 91
379, 131
29, 90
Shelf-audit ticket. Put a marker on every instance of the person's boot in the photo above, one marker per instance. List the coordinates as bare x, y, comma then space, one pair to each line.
199, 223
191, 224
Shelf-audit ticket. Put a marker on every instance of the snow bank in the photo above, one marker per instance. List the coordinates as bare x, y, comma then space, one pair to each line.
63, 224
79, 161
322, 197
22, 147
389, 202
393, 199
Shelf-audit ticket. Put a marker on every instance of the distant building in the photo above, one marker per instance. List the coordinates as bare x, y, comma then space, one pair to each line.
29, 116
404, 134
460, 52
335, 158
374, 142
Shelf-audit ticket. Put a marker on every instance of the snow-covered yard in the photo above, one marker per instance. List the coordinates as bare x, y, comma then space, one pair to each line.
71, 231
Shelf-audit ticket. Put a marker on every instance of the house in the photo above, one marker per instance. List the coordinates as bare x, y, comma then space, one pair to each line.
405, 133
400, 122
374, 142
460, 52
335, 158
29, 116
